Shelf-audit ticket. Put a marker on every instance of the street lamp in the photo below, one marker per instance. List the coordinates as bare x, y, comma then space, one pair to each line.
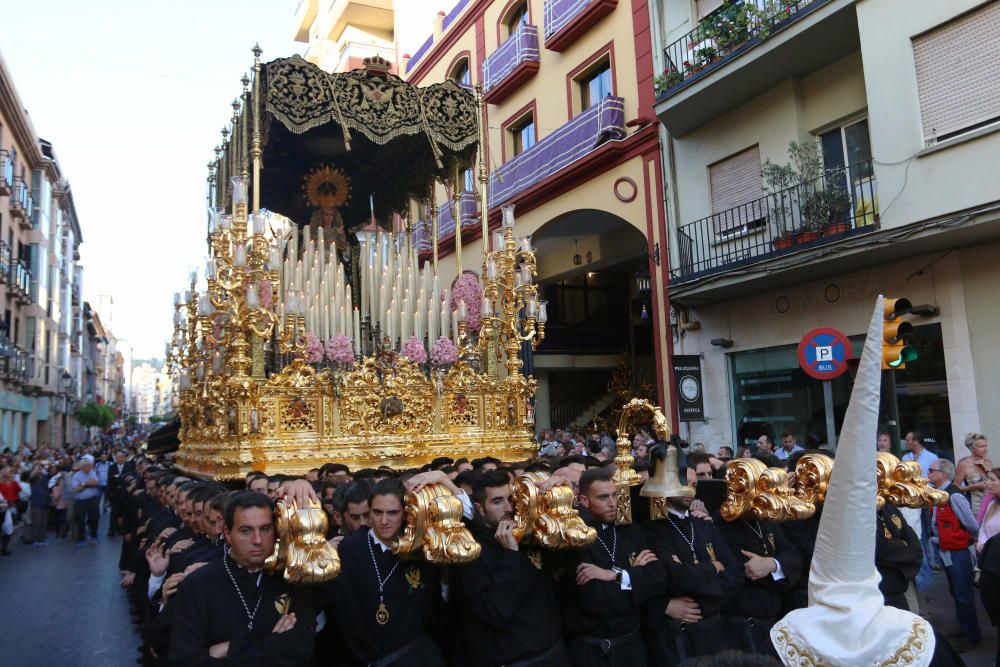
67, 382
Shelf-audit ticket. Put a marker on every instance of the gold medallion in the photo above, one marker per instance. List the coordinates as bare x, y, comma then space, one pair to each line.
382, 614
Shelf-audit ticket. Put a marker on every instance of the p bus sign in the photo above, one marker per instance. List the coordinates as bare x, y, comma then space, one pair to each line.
823, 353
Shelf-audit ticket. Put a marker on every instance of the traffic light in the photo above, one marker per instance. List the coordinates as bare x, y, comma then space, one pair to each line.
896, 350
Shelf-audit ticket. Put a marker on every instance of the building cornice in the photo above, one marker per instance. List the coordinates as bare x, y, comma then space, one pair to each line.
17, 119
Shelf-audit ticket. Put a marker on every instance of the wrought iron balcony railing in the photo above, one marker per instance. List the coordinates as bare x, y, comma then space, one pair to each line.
570, 142
724, 35
6, 172
20, 278
840, 203
4, 261
519, 49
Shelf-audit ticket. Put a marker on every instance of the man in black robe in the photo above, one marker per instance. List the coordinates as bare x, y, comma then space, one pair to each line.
610, 580
230, 610
381, 605
898, 555
506, 598
771, 565
702, 575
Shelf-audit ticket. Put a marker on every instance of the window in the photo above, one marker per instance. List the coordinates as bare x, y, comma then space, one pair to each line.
706, 7
958, 74
460, 73
847, 158
516, 17
523, 133
736, 186
469, 181
596, 84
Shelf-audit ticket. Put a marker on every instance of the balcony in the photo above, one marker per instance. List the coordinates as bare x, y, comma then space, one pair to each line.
423, 234
4, 262
573, 140
6, 172
745, 48
514, 62
366, 14
19, 199
14, 362
566, 20
305, 14
804, 217
19, 280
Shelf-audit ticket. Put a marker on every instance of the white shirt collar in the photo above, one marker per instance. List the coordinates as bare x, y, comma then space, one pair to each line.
378, 542
677, 513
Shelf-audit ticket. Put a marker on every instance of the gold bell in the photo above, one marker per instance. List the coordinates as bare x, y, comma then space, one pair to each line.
665, 483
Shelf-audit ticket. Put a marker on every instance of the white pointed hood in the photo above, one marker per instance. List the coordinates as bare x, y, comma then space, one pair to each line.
846, 623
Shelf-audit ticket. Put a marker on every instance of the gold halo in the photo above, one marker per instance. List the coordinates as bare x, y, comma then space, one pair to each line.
327, 187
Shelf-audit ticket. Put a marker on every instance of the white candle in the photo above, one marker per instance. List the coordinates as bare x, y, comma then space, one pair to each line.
357, 328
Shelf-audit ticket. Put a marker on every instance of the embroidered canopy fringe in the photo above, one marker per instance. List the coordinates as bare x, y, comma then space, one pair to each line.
382, 107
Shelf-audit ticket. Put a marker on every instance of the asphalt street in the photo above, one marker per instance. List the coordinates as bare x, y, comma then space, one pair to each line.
63, 607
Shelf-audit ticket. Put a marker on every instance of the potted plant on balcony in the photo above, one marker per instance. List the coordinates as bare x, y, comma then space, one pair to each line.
826, 209
664, 82
778, 178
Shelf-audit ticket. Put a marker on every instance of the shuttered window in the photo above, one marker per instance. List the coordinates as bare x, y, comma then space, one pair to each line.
958, 73
735, 184
706, 7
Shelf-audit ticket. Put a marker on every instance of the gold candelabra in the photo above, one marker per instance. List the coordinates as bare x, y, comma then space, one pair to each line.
512, 313
235, 272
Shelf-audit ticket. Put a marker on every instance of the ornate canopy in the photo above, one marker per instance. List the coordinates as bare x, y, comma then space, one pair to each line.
390, 138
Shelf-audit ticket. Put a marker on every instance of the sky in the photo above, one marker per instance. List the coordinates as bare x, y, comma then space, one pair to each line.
133, 95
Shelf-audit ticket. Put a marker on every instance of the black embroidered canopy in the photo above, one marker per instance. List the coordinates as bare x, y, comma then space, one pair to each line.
390, 138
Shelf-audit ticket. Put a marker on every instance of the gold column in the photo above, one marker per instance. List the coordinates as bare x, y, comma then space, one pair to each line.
456, 197
434, 227
255, 148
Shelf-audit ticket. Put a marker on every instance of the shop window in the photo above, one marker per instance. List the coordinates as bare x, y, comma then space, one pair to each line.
770, 395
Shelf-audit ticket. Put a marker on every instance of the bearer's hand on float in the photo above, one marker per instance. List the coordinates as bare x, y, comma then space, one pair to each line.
417, 482
552, 482
300, 491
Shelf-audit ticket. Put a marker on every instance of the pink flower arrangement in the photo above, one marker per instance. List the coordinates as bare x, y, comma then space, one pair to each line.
266, 295
467, 288
314, 349
340, 350
413, 349
444, 352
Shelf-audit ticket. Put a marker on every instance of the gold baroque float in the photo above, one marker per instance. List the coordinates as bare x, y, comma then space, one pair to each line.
245, 397
548, 518
754, 490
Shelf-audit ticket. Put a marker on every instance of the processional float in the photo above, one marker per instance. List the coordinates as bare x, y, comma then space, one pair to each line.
316, 333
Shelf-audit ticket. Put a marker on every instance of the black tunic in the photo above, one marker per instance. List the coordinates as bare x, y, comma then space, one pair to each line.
802, 535
412, 595
898, 555
602, 610
669, 641
751, 613
508, 609
208, 611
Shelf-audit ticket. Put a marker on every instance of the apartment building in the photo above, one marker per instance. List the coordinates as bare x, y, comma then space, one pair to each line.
819, 153
572, 144
40, 283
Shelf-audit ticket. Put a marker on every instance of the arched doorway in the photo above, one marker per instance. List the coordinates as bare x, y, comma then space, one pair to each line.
599, 335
